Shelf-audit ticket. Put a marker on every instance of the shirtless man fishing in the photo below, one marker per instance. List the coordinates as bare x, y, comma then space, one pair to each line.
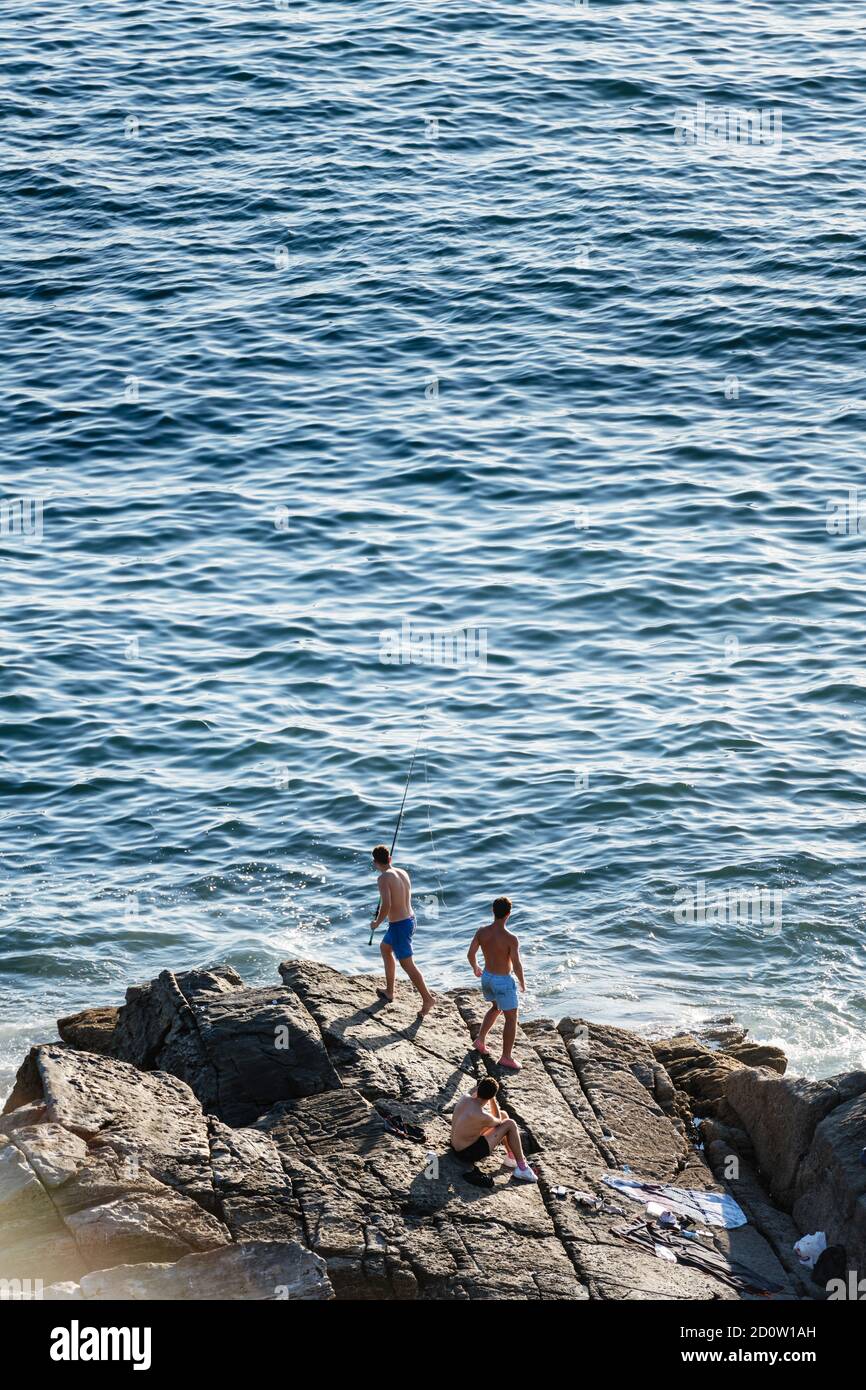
501, 951
395, 903
478, 1125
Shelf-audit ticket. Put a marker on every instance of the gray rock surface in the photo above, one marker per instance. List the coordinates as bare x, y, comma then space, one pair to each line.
393, 1223
830, 1192
35, 1242
617, 1073
92, 1030
758, 1055
383, 1050
111, 1165
149, 1118
238, 1049
32, 1114
203, 1161
778, 1228
257, 1270
699, 1071
27, 1089
67, 1207
153, 1011
781, 1115
65, 1292
255, 1194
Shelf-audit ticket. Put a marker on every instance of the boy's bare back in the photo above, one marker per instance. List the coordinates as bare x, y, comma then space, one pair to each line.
499, 947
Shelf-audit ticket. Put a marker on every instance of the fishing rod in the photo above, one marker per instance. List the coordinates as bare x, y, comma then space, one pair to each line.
399, 819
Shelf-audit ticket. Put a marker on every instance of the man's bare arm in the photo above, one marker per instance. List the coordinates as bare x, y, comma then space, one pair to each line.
385, 901
472, 953
518, 964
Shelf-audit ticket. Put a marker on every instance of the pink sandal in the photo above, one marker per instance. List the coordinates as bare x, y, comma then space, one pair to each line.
509, 1064
479, 1047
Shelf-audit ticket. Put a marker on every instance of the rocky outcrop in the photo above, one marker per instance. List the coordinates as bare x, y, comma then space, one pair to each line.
385, 1052
92, 1030
151, 1120
830, 1192
396, 1220
115, 1167
702, 1072
698, 1071
238, 1049
105, 1166
808, 1138
781, 1115
66, 1209
617, 1071
263, 1271
729, 1161
35, 1242
293, 1141
758, 1055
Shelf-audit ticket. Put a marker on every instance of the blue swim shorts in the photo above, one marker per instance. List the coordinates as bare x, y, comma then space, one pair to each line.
399, 937
500, 990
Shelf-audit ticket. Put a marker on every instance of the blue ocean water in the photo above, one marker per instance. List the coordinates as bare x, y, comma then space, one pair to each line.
472, 315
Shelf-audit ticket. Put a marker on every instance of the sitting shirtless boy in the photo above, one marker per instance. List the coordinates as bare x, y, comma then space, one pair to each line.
476, 1130
501, 952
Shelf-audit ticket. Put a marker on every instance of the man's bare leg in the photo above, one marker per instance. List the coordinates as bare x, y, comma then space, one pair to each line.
427, 1000
508, 1149
506, 1132
509, 1033
486, 1024
390, 969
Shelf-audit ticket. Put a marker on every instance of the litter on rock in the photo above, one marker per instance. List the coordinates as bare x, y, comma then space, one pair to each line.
710, 1261
808, 1248
664, 1253
710, 1208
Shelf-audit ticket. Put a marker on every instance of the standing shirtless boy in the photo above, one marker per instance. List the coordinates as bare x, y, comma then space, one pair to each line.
395, 903
501, 951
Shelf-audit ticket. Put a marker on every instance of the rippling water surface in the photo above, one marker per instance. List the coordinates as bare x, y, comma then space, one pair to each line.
326, 319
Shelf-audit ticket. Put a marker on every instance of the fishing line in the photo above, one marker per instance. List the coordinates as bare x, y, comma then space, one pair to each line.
400, 817
430, 828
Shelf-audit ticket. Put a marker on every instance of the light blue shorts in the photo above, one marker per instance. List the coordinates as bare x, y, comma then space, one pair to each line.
500, 990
